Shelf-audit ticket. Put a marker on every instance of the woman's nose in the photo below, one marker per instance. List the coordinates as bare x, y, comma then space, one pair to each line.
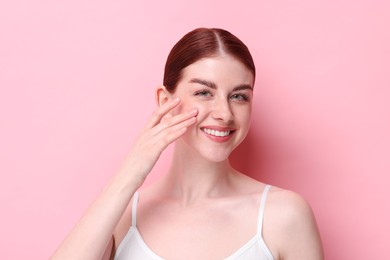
221, 110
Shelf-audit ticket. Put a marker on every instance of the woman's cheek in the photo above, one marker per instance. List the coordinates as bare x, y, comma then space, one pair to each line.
185, 106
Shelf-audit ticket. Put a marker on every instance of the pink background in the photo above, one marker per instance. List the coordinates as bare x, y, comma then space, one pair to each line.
77, 84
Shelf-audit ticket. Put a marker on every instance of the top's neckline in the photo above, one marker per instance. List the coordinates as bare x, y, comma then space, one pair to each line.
239, 251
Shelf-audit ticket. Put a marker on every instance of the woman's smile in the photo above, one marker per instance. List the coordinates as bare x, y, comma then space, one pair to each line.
218, 133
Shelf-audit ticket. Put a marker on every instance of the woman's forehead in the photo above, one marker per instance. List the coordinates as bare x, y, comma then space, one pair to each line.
219, 68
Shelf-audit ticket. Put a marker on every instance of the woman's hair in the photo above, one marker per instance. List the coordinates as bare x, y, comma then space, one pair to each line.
203, 43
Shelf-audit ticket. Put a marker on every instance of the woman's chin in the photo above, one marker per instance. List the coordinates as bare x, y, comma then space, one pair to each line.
215, 155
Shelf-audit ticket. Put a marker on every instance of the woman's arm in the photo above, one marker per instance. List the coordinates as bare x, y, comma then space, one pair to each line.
92, 235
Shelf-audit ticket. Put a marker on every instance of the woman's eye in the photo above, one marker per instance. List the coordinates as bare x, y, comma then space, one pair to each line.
203, 93
240, 97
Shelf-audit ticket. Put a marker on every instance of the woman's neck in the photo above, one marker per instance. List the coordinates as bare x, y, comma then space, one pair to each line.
192, 177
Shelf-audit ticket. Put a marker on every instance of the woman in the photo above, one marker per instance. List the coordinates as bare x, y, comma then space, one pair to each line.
202, 208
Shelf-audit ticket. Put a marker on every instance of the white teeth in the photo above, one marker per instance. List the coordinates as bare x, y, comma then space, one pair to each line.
216, 132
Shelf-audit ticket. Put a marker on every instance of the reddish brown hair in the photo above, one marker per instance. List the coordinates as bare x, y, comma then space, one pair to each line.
203, 43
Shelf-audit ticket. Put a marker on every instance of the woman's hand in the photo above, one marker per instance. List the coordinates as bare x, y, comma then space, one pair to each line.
161, 130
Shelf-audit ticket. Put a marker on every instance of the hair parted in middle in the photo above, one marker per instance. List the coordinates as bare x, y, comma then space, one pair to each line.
203, 43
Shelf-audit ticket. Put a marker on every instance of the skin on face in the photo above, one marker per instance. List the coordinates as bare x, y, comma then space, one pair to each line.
221, 89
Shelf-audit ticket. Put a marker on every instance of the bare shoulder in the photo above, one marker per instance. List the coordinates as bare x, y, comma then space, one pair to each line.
290, 227
289, 205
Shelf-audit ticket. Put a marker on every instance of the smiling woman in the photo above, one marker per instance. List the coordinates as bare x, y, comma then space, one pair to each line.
202, 208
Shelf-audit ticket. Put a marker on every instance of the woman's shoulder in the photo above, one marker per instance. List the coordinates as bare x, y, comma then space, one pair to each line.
281, 203
289, 208
290, 224
287, 201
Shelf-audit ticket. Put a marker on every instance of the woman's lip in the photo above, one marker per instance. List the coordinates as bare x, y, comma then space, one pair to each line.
218, 137
218, 128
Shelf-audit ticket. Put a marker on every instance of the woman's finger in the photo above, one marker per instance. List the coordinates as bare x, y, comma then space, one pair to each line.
168, 135
174, 120
162, 111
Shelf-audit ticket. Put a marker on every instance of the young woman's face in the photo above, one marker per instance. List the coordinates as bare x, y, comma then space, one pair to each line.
221, 88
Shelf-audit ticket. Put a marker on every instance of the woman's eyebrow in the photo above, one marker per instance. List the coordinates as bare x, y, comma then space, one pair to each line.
214, 86
204, 82
243, 87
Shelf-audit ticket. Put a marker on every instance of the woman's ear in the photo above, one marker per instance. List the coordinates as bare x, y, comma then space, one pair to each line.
162, 95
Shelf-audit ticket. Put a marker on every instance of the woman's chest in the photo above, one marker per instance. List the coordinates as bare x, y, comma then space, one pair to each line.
197, 233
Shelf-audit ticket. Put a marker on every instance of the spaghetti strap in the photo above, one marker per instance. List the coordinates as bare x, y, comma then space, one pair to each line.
134, 209
261, 210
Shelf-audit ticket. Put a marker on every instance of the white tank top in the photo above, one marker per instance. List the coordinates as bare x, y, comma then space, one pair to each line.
134, 247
